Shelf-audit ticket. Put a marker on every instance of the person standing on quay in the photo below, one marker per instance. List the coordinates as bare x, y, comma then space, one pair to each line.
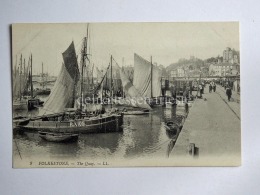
228, 92
210, 87
200, 90
203, 85
214, 86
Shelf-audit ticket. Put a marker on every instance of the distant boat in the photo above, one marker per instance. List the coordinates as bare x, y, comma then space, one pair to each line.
45, 91
23, 86
58, 137
20, 77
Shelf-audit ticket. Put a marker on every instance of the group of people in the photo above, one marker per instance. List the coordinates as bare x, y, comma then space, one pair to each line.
200, 86
212, 86
201, 89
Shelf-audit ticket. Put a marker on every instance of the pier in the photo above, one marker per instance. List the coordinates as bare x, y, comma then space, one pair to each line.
211, 133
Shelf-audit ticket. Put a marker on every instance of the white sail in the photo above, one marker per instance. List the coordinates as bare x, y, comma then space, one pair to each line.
142, 77
63, 92
133, 96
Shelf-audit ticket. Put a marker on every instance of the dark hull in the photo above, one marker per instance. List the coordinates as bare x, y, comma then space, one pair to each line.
43, 92
58, 137
30, 104
34, 103
106, 124
135, 112
172, 127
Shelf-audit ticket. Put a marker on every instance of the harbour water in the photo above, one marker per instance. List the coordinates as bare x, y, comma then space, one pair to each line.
142, 137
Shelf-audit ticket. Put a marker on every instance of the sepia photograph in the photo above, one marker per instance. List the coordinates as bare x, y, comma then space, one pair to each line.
126, 94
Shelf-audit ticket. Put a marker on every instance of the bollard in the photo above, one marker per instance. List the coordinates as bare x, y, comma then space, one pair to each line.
193, 150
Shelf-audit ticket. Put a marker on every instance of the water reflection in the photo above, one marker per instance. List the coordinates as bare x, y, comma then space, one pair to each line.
142, 136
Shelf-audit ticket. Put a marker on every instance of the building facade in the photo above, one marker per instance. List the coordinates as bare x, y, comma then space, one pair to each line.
224, 69
178, 72
230, 56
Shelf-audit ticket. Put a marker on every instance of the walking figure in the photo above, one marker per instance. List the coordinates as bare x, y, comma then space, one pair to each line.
228, 92
210, 87
214, 86
200, 90
203, 85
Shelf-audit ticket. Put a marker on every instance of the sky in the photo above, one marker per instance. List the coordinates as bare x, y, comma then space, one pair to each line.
165, 42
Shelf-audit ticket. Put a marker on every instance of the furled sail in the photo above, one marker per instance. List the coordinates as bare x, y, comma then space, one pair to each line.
63, 92
142, 77
20, 80
116, 81
132, 94
16, 83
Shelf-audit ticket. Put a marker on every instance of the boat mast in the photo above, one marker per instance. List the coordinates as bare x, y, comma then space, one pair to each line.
24, 67
111, 82
101, 87
83, 54
83, 57
93, 75
106, 88
24, 78
42, 77
151, 77
20, 73
15, 71
122, 90
31, 79
161, 85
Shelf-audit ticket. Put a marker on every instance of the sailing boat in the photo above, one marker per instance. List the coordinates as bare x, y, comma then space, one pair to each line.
23, 80
147, 78
19, 83
59, 114
130, 93
133, 98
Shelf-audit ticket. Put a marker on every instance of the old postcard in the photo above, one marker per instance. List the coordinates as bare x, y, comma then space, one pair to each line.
126, 94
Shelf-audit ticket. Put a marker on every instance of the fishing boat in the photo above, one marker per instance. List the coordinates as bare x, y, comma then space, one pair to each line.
134, 102
62, 123
45, 91
55, 116
58, 137
20, 120
34, 103
147, 79
172, 126
20, 77
24, 80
